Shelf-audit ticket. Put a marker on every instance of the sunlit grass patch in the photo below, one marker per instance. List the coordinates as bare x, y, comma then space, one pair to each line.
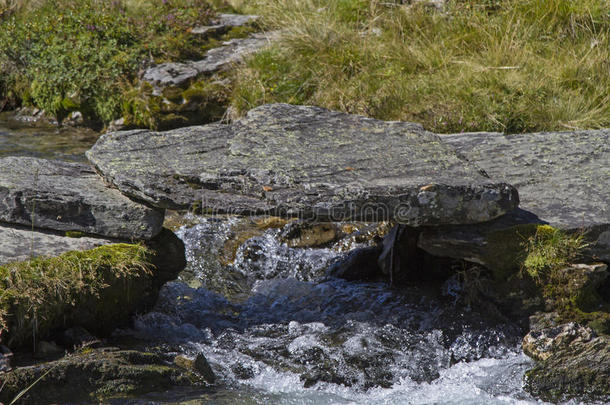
510, 66
36, 295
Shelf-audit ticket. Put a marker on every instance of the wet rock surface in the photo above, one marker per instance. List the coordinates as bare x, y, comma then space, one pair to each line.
70, 197
18, 243
93, 374
573, 363
304, 161
496, 244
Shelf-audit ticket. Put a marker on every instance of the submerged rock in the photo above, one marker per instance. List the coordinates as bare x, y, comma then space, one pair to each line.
304, 161
198, 364
70, 197
573, 363
94, 374
359, 264
301, 234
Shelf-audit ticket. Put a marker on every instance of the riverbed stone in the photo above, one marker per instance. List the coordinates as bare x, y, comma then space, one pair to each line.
93, 374
563, 180
572, 363
198, 364
304, 161
65, 196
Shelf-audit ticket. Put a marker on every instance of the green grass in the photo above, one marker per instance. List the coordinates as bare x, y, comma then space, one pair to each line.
36, 295
550, 250
571, 293
510, 66
67, 55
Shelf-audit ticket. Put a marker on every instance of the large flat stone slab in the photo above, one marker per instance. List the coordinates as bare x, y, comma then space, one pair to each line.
70, 197
19, 244
304, 161
563, 180
562, 177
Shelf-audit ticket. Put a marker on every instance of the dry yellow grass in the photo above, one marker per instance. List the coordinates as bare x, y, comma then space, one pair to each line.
511, 66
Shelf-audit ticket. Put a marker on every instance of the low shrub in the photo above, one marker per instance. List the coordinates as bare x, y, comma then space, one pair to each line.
550, 250
66, 55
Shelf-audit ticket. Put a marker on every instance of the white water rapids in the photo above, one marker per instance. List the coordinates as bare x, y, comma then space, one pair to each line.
288, 334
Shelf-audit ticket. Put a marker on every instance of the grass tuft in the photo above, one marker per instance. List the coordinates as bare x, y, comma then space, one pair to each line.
35, 294
550, 250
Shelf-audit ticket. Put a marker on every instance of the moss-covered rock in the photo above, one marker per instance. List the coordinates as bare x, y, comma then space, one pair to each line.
93, 374
97, 289
575, 294
190, 103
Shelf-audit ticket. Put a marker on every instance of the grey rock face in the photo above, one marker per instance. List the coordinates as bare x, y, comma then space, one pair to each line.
88, 376
541, 345
562, 177
573, 363
19, 244
563, 180
304, 161
217, 59
70, 197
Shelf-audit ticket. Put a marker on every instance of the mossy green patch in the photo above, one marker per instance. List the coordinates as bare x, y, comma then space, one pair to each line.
549, 250
173, 94
506, 250
41, 294
74, 234
200, 102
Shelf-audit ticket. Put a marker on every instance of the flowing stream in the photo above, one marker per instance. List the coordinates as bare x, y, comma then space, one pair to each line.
44, 141
277, 330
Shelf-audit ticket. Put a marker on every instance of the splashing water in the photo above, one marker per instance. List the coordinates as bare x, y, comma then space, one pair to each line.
277, 330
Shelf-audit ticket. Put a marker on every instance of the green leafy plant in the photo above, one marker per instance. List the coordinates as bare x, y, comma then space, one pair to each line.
66, 55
